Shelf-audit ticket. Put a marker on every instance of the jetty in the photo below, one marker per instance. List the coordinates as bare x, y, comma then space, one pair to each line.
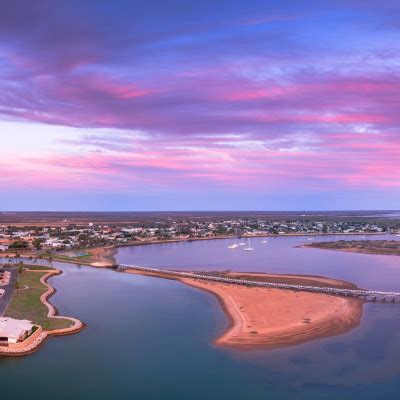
364, 294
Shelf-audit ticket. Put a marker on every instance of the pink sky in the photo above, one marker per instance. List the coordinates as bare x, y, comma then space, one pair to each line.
262, 107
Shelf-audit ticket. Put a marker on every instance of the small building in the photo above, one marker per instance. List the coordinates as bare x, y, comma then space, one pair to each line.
1, 293
5, 277
14, 330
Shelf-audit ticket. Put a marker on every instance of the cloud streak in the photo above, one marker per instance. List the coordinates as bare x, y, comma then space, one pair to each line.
222, 96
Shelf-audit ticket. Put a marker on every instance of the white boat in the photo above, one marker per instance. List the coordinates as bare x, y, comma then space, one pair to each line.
242, 244
248, 248
264, 241
233, 246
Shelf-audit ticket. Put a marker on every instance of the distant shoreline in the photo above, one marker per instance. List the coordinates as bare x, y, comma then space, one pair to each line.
376, 247
123, 218
105, 254
133, 244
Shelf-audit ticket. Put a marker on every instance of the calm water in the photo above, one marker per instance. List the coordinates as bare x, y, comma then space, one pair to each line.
279, 254
149, 338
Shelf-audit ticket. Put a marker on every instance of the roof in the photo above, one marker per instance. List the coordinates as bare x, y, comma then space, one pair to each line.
13, 328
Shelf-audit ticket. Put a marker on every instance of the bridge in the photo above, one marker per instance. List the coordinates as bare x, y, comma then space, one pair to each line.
366, 295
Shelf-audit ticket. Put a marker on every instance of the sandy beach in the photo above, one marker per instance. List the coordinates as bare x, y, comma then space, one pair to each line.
102, 256
270, 318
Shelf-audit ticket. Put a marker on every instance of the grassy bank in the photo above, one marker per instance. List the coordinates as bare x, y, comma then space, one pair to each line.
26, 304
57, 257
91, 256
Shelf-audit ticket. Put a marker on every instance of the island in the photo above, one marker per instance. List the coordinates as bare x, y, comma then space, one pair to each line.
385, 247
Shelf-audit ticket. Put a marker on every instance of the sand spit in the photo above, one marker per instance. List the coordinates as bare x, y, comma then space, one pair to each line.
264, 318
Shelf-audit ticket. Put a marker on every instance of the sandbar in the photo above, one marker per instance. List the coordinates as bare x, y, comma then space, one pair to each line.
264, 318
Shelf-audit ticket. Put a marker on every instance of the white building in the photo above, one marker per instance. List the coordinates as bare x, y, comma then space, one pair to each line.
14, 330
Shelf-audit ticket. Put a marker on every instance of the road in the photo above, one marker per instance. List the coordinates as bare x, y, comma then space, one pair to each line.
9, 289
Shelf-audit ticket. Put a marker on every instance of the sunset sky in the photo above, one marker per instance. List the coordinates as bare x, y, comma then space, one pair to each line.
199, 105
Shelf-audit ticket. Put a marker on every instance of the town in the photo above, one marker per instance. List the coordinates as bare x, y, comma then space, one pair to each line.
73, 236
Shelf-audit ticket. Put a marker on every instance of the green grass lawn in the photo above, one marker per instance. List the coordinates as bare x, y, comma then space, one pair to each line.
37, 267
33, 267
26, 304
87, 259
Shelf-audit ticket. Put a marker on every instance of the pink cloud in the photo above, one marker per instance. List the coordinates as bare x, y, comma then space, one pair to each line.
345, 160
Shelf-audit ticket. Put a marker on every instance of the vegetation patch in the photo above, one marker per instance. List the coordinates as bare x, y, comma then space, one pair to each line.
388, 247
37, 268
26, 304
84, 259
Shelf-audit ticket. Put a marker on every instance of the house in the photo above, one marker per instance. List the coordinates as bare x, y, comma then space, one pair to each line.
14, 330
4, 244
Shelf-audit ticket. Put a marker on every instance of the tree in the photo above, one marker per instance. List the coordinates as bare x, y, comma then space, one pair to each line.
18, 244
37, 243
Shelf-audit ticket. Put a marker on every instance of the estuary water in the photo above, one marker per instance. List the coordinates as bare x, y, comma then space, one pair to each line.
149, 338
280, 254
